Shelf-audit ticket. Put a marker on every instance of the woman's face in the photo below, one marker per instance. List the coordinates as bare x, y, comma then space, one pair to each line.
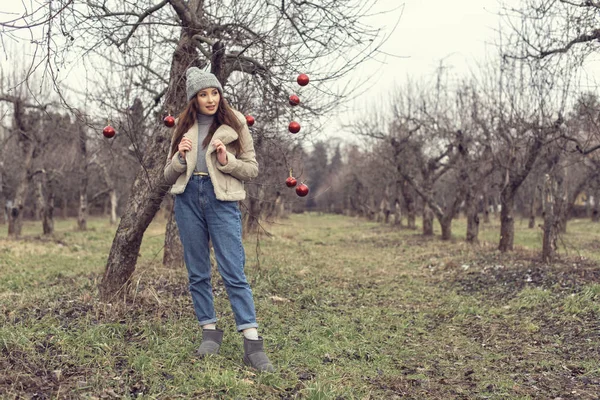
208, 101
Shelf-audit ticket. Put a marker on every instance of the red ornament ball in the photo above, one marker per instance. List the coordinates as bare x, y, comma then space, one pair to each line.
108, 131
169, 121
294, 100
291, 182
249, 120
294, 127
302, 80
302, 190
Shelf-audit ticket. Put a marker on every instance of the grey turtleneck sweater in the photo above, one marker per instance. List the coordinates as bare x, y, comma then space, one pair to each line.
204, 123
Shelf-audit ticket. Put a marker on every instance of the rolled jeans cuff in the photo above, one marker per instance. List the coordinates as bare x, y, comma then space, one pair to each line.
247, 326
208, 321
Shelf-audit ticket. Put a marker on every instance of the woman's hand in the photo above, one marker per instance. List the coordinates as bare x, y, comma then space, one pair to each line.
184, 146
221, 151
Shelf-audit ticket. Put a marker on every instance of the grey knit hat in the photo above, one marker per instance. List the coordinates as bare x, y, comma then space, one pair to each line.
196, 80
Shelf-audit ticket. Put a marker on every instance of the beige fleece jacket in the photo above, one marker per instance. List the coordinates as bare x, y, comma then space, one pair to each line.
228, 180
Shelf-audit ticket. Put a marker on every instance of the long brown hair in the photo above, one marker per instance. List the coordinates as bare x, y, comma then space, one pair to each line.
224, 115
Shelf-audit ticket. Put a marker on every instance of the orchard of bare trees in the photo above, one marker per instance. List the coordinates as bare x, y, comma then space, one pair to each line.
131, 58
517, 139
439, 152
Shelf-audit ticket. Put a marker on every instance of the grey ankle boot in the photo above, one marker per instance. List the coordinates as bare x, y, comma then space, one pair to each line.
211, 342
255, 357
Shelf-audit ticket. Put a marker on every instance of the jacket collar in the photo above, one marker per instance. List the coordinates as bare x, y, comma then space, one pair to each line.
224, 133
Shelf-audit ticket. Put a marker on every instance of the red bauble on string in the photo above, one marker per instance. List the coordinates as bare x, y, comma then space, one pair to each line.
294, 100
302, 190
108, 131
294, 127
291, 182
249, 120
302, 80
169, 121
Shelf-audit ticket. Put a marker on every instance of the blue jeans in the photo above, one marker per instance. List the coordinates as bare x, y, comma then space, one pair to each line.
201, 216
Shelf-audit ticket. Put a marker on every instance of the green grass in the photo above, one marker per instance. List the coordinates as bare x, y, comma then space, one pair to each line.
349, 309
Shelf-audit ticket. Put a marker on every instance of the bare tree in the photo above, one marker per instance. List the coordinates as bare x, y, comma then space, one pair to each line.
268, 41
24, 126
556, 28
553, 40
433, 149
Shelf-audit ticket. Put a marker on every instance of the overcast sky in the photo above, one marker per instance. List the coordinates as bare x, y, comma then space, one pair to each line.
431, 30
427, 31
460, 32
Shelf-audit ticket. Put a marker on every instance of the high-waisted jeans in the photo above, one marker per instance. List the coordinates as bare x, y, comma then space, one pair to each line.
200, 216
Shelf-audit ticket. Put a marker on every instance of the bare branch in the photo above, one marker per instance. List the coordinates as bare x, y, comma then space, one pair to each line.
595, 35
188, 18
8, 24
141, 19
585, 4
13, 99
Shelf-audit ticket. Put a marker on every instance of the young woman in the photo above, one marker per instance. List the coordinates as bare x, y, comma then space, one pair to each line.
211, 155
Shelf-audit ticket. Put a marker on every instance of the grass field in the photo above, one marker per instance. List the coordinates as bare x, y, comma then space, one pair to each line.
349, 309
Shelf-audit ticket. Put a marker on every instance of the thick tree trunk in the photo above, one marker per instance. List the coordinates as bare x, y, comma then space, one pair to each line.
64, 207
507, 222
532, 208
596, 207
37, 211
550, 232
15, 214
370, 207
569, 205
513, 180
352, 208
275, 210
280, 211
106, 207
40, 200
384, 211
397, 213
562, 220
427, 220
48, 223
83, 202
588, 204
395, 206
268, 208
495, 206
173, 254
446, 224
562, 204
110, 207
471, 208
486, 207
113, 206
149, 186
45, 204
3, 215
251, 214
83, 184
384, 207
409, 201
